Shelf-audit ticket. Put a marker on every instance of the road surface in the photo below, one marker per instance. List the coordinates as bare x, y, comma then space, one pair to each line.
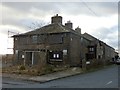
105, 78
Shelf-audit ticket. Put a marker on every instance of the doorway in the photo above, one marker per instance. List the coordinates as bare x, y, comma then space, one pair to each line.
29, 58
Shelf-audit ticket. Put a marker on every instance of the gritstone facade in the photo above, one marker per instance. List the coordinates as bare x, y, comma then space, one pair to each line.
59, 44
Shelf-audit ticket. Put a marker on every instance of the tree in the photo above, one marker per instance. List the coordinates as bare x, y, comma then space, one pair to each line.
37, 24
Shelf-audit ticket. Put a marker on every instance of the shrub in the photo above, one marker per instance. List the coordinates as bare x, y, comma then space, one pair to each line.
48, 69
22, 67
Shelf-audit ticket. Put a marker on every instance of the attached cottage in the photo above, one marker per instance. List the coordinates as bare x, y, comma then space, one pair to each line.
57, 44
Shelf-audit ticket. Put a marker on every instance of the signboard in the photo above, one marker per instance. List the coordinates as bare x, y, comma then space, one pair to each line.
16, 51
64, 52
88, 62
23, 56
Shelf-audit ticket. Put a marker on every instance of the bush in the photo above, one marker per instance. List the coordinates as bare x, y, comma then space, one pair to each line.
49, 68
22, 67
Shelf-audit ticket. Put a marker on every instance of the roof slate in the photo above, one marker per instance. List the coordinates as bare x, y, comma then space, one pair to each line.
51, 28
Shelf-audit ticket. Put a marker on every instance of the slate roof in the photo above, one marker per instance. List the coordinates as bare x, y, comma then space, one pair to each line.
94, 40
90, 37
51, 28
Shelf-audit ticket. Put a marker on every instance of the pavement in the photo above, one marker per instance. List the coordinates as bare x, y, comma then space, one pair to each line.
48, 77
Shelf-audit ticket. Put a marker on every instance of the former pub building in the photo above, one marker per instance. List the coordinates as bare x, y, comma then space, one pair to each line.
59, 44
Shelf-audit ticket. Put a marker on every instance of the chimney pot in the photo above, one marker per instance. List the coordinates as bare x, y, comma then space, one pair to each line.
56, 19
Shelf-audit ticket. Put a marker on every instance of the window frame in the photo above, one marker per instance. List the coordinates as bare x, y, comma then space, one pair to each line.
52, 37
56, 56
34, 39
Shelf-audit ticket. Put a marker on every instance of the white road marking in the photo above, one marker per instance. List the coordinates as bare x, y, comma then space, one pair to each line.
109, 82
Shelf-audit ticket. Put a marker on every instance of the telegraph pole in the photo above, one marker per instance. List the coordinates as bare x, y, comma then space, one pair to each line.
10, 33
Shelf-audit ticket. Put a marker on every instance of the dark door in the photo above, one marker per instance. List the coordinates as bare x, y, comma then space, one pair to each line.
28, 58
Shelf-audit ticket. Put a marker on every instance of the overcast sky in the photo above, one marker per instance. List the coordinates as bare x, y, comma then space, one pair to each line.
99, 19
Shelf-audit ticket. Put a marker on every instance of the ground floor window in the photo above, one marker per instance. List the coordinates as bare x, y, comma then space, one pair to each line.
90, 56
56, 56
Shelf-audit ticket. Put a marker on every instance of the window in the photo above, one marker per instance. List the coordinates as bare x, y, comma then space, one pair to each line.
91, 49
23, 40
56, 55
81, 39
41, 38
55, 38
34, 39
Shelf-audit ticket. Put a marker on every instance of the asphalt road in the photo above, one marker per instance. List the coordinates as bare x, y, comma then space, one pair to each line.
105, 78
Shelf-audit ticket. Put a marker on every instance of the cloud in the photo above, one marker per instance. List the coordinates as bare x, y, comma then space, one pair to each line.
11, 19
73, 8
20, 18
104, 8
38, 8
89, 8
91, 24
61, 1
40, 11
5, 28
109, 36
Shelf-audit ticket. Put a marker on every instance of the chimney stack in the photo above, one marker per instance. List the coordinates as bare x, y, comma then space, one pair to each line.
78, 30
69, 24
56, 19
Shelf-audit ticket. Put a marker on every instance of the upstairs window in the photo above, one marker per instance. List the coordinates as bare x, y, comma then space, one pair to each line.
81, 39
55, 39
42, 38
34, 39
22, 40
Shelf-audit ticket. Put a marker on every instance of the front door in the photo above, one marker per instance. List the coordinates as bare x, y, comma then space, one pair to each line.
29, 58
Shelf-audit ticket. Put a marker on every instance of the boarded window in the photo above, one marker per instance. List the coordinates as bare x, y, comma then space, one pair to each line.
41, 38
23, 40
55, 39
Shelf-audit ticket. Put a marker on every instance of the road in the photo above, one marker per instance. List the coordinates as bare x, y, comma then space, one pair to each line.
105, 78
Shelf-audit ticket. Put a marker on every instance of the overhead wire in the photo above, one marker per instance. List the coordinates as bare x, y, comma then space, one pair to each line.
89, 8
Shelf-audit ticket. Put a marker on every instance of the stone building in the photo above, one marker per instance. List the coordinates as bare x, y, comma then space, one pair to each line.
99, 50
53, 44
58, 44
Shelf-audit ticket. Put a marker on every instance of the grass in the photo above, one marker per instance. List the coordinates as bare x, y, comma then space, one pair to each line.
47, 69
33, 71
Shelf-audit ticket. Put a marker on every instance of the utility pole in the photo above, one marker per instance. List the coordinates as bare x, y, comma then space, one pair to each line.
10, 33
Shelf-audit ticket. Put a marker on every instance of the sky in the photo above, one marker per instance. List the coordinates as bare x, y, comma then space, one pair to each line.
99, 19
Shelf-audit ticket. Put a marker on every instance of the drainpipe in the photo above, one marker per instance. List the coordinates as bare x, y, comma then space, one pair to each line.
24, 57
32, 58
